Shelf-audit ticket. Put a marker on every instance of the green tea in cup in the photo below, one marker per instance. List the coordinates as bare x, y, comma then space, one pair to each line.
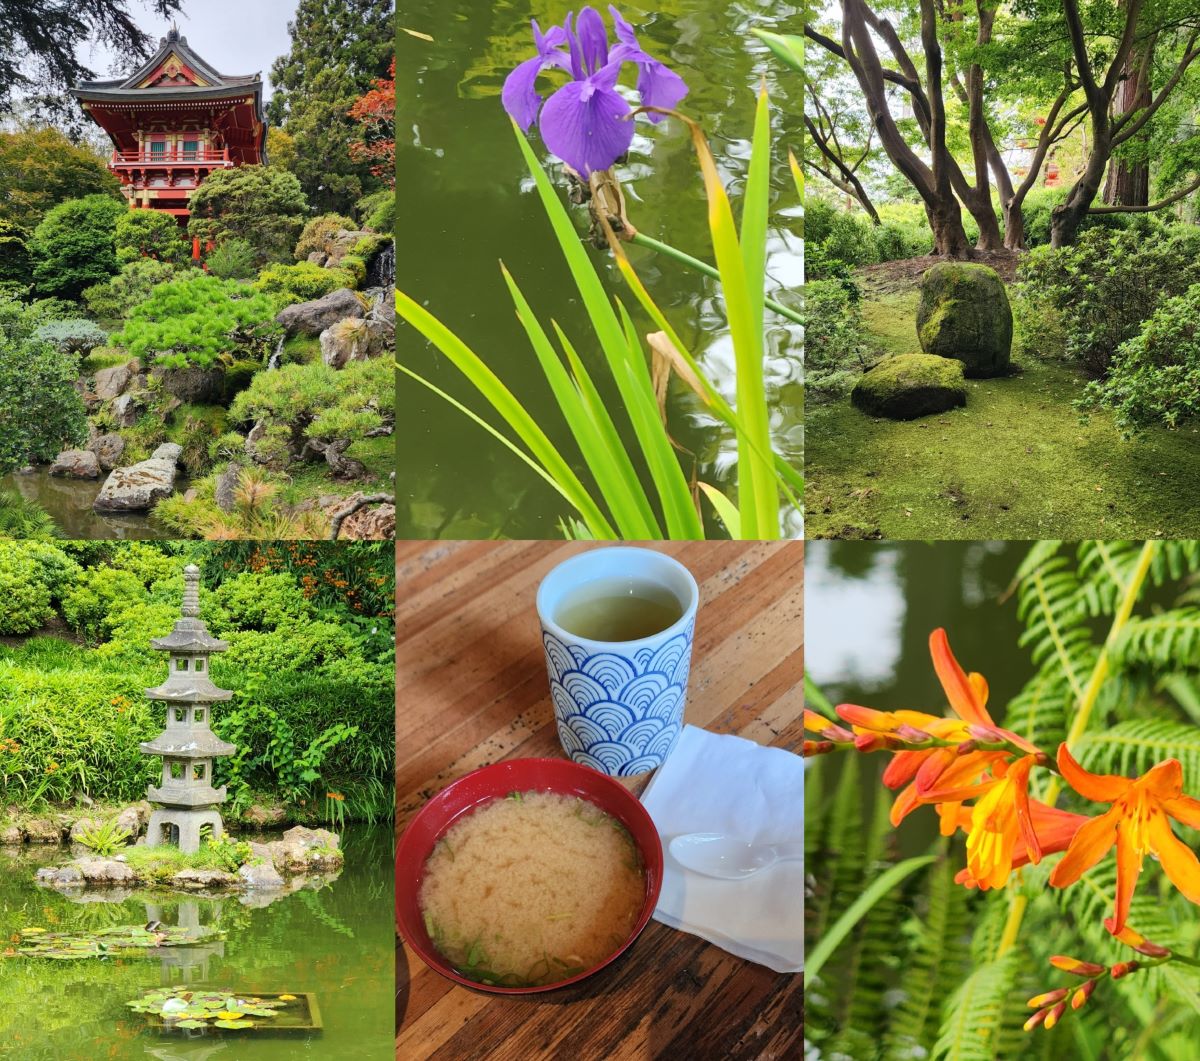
618, 609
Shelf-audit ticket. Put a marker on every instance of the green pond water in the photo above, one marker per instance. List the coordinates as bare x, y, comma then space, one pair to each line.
465, 202
69, 503
335, 940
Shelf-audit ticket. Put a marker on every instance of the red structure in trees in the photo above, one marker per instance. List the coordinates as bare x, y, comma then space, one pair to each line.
175, 121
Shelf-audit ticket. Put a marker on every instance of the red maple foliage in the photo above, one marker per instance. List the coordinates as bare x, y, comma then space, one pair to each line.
376, 114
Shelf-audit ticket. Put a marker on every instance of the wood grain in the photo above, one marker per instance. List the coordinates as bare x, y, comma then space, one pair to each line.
471, 689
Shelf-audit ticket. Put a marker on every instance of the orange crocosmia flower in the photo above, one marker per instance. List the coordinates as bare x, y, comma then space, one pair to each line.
938, 775
1138, 821
1053, 828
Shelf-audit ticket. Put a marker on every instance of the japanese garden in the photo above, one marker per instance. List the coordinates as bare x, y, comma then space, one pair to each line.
195, 832
1001, 253
196, 275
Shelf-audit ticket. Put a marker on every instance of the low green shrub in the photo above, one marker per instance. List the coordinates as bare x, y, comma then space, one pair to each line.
198, 319
72, 336
150, 234
1107, 284
261, 601
104, 839
319, 233
232, 259
1155, 376
73, 245
378, 210
301, 282
90, 604
356, 267
24, 595
835, 350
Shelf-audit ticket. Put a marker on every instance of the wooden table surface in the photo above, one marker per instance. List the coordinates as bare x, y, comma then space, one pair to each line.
471, 689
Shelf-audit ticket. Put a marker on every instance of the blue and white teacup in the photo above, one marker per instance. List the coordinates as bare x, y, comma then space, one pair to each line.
618, 704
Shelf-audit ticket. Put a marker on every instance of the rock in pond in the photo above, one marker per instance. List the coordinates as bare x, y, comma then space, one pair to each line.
140, 486
76, 464
312, 318
964, 314
907, 386
44, 831
263, 876
302, 850
203, 879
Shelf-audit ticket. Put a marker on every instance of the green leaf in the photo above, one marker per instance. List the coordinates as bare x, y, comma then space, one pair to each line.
788, 47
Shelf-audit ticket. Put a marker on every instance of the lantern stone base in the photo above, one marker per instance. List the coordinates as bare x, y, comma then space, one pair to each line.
181, 828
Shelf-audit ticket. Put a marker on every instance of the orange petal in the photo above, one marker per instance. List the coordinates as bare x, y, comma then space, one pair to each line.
1089, 845
905, 804
934, 765
1018, 773
1184, 809
1163, 781
957, 781
948, 815
1129, 868
1100, 788
963, 696
1178, 861
867, 718
903, 768
814, 722
979, 687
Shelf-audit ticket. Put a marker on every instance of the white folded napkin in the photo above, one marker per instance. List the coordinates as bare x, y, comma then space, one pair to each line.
715, 783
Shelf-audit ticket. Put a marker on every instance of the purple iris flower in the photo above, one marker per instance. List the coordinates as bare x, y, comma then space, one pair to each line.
585, 122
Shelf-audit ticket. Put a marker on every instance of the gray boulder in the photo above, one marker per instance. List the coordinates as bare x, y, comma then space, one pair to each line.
59, 875
108, 449
76, 464
306, 850
191, 384
203, 879
352, 339
312, 318
964, 314
138, 487
105, 871
110, 382
262, 876
43, 831
907, 386
126, 409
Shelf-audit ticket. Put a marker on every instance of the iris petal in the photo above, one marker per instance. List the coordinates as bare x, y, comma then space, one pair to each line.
657, 84
519, 96
593, 39
584, 122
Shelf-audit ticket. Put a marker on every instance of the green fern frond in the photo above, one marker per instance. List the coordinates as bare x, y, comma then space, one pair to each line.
973, 1019
1131, 748
1170, 639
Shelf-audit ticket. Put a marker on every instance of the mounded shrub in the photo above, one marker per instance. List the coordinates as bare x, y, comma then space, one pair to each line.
114, 299
318, 234
72, 336
302, 282
834, 346
74, 245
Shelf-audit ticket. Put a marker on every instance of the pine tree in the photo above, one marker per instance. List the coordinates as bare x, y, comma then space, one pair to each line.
339, 48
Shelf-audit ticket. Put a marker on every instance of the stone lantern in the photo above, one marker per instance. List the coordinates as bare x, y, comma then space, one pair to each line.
185, 800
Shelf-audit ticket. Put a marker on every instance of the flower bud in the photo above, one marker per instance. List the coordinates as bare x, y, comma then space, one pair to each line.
1049, 998
1053, 1016
1075, 966
1082, 994
1124, 969
816, 747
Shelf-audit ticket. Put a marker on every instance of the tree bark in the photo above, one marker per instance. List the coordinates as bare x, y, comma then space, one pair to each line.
1128, 182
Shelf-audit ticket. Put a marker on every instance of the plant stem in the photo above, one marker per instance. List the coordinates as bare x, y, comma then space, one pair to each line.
643, 240
1087, 704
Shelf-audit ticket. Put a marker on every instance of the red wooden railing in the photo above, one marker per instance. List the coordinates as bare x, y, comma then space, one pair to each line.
178, 157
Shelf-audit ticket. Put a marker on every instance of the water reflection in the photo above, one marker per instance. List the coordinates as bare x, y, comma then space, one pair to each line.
464, 202
69, 503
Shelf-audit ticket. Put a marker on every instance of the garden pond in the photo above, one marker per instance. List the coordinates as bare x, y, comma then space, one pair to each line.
69, 503
334, 942
465, 201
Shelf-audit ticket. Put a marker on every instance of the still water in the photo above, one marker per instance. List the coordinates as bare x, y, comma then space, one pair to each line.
335, 941
69, 504
465, 202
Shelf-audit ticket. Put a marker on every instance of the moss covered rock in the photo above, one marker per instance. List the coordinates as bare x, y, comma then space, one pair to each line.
964, 314
907, 386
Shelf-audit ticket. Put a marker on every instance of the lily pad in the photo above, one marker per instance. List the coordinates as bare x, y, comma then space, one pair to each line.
191, 1024
233, 1024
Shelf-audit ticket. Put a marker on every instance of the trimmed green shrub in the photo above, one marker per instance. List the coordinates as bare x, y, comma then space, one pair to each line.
1155, 376
301, 282
115, 299
74, 245
196, 320
262, 601
88, 606
378, 211
150, 234
353, 265
261, 204
319, 233
15, 262
30, 575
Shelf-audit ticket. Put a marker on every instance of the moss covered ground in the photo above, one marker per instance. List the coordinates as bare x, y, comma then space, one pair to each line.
1017, 462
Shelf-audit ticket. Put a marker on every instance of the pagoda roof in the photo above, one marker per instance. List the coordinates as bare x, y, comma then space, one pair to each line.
187, 742
189, 641
174, 72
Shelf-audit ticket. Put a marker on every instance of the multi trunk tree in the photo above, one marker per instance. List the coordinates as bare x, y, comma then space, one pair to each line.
961, 67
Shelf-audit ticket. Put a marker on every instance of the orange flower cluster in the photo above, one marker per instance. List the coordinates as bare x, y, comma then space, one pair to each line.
10, 745
977, 777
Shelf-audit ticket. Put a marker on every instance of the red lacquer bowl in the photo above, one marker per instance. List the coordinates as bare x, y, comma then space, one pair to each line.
495, 782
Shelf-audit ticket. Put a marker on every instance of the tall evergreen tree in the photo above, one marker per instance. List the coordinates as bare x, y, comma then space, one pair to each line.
339, 48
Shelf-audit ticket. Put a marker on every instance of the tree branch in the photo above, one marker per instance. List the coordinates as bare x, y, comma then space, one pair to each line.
1169, 200
1126, 126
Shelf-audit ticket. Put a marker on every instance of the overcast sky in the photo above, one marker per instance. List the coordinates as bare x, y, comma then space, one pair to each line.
235, 36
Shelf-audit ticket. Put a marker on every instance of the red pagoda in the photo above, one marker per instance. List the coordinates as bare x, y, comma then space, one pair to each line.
173, 122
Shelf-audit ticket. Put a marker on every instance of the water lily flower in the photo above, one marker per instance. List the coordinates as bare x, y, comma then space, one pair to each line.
1139, 821
586, 121
937, 774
